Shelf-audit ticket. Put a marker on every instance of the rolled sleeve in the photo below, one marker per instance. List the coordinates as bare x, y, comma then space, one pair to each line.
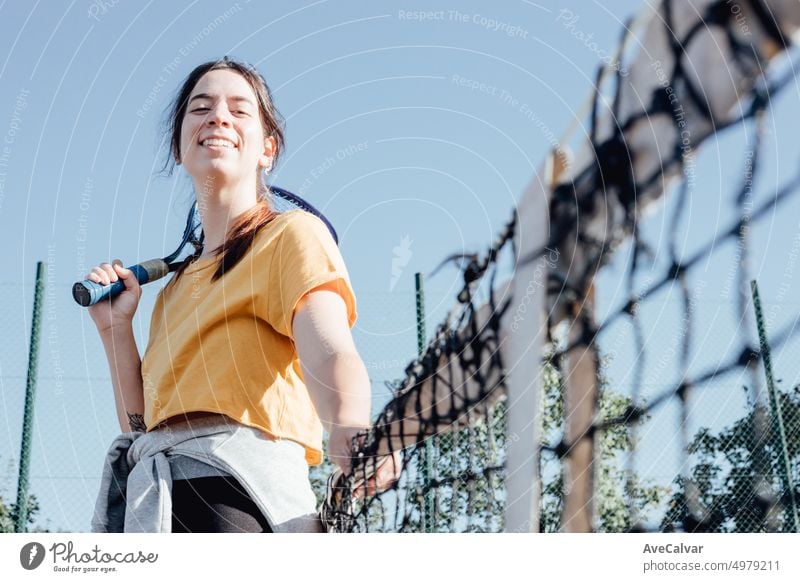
306, 256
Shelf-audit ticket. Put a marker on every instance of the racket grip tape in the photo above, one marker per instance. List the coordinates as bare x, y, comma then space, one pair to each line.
87, 293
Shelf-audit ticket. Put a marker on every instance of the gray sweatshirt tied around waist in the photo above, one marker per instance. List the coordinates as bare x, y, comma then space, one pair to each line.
136, 487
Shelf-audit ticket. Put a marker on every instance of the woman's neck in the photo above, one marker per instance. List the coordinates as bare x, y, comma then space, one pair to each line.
219, 208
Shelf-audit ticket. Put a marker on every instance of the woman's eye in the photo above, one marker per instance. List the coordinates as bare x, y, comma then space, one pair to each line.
200, 109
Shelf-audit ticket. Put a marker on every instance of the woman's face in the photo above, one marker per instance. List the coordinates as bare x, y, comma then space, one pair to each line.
222, 136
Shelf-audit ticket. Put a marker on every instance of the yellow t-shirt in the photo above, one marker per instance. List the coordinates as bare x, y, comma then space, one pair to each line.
227, 346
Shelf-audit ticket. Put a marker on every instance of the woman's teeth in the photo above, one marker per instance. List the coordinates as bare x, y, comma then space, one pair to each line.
218, 143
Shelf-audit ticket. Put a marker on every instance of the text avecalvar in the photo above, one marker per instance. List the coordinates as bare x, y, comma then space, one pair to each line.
672, 549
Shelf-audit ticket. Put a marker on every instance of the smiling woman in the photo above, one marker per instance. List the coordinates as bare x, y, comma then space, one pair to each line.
250, 358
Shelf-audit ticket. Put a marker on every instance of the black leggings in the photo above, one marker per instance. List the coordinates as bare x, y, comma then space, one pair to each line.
214, 504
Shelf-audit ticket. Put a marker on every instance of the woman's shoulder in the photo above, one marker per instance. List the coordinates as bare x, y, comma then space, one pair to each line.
289, 227
297, 217
290, 219
300, 225
273, 229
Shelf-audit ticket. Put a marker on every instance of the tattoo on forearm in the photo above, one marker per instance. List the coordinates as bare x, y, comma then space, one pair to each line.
136, 421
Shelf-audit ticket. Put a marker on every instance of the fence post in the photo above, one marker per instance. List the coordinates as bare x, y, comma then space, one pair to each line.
428, 514
778, 430
21, 512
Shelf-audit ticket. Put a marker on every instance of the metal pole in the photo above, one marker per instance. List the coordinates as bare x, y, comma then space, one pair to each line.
21, 513
581, 403
778, 431
428, 515
526, 328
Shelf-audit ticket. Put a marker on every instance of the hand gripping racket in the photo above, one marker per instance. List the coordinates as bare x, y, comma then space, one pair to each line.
87, 293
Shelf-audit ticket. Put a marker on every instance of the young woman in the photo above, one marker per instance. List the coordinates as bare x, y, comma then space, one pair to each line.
250, 353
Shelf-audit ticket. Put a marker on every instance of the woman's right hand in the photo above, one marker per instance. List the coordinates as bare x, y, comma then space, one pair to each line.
119, 311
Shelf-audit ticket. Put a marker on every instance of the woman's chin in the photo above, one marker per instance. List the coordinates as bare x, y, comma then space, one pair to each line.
218, 172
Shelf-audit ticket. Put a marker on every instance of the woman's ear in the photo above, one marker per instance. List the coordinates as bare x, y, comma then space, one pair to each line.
268, 155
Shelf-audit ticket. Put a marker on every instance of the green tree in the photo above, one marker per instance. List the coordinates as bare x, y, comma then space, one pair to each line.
8, 510
466, 483
616, 494
730, 468
318, 475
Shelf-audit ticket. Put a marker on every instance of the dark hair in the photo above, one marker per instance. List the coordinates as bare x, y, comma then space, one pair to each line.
244, 230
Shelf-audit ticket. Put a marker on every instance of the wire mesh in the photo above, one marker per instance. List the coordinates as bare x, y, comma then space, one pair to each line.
593, 213
723, 472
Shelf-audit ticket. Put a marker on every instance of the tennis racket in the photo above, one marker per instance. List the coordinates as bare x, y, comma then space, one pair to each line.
87, 293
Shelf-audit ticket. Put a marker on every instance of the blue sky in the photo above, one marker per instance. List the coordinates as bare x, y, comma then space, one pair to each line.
413, 126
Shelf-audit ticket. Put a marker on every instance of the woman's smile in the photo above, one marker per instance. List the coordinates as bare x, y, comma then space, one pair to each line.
218, 144
223, 123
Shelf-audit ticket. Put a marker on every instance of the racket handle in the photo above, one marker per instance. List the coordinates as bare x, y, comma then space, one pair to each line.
87, 293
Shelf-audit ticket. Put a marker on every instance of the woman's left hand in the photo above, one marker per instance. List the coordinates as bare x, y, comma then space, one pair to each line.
387, 469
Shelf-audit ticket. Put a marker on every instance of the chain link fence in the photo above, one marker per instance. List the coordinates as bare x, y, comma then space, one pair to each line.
74, 422
74, 419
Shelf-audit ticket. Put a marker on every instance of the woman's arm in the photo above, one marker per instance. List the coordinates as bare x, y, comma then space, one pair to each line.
337, 380
114, 324
126, 377
333, 372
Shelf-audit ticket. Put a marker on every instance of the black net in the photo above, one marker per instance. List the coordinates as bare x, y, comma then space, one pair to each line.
448, 414
614, 182
447, 419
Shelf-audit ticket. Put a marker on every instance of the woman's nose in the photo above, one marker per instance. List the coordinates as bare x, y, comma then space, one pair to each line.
219, 115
